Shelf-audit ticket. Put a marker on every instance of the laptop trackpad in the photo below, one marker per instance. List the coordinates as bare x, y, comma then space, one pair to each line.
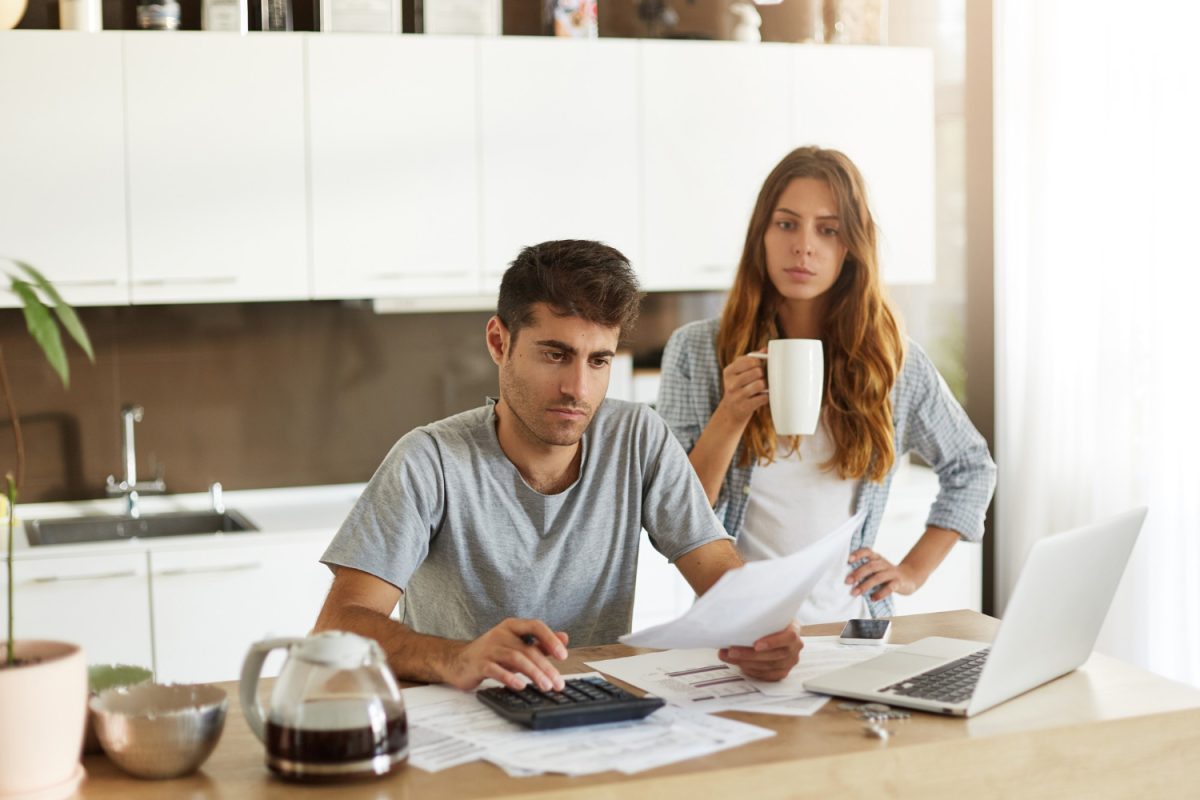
901, 664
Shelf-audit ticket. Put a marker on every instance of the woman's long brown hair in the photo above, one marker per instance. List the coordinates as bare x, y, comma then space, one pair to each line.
863, 346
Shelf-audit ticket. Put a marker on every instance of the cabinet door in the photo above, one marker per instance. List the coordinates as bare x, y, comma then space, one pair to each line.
662, 593
62, 162
958, 581
211, 604
217, 195
100, 602
876, 106
395, 165
560, 155
715, 118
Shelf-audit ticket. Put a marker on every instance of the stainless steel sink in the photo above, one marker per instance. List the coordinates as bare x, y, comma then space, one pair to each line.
76, 530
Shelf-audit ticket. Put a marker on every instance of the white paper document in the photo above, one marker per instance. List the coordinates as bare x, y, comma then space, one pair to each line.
821, 654
449, 727
751, 601
697, 679
694, 679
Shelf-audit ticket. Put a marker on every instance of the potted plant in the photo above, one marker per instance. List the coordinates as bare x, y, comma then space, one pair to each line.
43, 685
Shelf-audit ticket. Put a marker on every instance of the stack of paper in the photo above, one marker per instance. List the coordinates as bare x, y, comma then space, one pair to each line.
448, 727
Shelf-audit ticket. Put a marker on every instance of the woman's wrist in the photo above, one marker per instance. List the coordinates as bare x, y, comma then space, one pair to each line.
729, 420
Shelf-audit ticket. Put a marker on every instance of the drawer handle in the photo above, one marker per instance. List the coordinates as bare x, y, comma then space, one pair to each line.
170, 573
83, 284
199, 281
400, 276
100, 576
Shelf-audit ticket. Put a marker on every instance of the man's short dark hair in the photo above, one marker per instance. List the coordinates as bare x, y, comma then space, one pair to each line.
576, 278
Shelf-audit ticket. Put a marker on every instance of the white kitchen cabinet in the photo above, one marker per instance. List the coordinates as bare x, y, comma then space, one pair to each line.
662, 594
559, 139
212, 603
876, 105
206, 167
958, 581
100, 602
62, 163
393, 123
715, 117
217, 167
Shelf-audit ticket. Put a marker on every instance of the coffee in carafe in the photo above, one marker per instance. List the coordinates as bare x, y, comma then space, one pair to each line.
335, 714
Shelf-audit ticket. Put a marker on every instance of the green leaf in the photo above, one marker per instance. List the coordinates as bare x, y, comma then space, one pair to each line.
43, 329
66, 314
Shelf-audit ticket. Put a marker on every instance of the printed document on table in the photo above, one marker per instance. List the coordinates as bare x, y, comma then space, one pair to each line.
821, 654
751, 601
694, 679
699, 680
449, 727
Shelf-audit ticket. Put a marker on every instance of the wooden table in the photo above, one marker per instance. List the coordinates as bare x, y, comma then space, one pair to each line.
1106, 730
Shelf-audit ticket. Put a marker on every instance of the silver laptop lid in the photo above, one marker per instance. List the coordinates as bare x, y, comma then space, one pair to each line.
1057, 607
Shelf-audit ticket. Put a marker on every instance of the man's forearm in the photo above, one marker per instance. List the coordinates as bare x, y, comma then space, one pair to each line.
412, 656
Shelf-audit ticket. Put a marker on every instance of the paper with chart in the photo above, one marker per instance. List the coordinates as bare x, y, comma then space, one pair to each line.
753, 600
699, 680
448, 727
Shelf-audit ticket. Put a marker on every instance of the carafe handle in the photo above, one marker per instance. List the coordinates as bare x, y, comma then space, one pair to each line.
251, 671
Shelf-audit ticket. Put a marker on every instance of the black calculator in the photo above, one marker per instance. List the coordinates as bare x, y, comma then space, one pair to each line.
583, 701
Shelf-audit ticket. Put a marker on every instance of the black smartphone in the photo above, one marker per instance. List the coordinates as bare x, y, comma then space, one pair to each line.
866, 631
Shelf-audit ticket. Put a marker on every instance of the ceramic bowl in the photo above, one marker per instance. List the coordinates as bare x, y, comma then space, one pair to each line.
155, 730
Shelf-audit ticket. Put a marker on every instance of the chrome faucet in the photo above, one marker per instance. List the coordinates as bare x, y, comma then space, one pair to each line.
129, 487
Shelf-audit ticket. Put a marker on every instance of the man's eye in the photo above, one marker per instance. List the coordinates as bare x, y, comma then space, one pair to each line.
555, 355
600, 362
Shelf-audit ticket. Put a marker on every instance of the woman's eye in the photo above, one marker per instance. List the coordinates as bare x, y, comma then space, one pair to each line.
786, 225
829, 231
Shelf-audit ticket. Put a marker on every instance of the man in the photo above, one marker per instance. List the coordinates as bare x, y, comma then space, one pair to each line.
513, 529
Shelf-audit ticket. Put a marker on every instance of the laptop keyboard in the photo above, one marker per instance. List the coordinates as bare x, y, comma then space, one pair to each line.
949, 683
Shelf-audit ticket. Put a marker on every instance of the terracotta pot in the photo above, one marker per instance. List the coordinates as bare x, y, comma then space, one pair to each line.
11, 12
43, 708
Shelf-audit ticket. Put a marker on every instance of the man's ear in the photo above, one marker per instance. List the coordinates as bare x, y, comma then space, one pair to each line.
498, 339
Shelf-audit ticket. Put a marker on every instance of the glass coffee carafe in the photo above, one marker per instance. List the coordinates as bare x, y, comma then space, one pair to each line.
335, 711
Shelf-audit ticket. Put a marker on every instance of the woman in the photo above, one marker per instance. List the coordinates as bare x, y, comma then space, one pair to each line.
809, 270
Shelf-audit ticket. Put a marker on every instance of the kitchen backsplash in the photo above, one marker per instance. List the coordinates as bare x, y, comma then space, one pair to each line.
259, 395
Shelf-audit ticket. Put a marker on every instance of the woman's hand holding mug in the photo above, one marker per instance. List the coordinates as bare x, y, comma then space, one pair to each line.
745, 383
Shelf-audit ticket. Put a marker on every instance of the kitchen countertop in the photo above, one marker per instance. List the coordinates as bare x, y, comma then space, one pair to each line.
311, 510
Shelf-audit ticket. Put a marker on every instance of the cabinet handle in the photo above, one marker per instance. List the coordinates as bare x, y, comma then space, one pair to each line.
198, 281
89, 282
170, 573
399, 276
100, 576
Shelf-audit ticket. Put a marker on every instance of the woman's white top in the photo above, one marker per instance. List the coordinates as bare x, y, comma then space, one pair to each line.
793, 502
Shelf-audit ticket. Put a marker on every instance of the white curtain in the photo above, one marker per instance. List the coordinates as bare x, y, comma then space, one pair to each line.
1098, 299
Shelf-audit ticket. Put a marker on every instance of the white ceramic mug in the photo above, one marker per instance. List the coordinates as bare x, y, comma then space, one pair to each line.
795, 380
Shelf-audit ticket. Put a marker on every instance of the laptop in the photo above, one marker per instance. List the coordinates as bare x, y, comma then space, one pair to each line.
1049, 628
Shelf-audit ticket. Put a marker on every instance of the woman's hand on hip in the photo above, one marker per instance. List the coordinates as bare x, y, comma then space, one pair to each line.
879, 578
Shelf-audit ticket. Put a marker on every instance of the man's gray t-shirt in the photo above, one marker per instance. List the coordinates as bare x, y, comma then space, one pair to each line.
449, 519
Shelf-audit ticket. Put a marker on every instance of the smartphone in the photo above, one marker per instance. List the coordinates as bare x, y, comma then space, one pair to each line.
866, 631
